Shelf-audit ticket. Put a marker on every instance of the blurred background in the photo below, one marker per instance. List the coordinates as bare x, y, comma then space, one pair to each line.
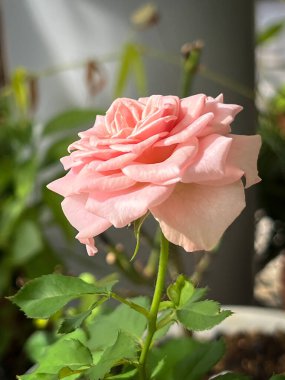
62, 63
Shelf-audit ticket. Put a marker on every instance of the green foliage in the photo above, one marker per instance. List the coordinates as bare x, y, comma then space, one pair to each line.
68, 353
201, 315
105, 327
37, 344
270, 32
185, 359
72, 119
131, 63
27, 242
104, 341
42, 297
123, 349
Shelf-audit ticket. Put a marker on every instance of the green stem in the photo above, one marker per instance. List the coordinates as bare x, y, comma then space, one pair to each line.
152, 319
131, 304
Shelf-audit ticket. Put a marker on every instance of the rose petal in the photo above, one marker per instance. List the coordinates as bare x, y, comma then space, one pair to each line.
190, 109
196, 216
243, 154
89, 180
85, 222
124, 207
64, 186
190, 131
169, 105
224, 115
211, 159
169, 170
117, 162
137, 148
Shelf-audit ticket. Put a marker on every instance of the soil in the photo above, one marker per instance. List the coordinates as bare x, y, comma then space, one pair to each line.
257, 355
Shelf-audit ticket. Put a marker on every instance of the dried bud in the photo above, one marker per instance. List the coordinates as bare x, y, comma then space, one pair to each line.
145, 16
34, 92
95, 78
120, 247
189, 47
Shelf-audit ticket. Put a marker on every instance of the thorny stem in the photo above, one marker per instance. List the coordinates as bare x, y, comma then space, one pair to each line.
152, 319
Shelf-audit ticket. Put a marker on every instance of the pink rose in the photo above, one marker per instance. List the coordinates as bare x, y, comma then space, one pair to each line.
173, 157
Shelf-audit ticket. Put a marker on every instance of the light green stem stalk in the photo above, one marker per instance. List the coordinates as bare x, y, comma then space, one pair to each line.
152, 320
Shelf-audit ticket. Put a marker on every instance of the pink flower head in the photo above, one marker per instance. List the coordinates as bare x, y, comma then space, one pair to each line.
173, 157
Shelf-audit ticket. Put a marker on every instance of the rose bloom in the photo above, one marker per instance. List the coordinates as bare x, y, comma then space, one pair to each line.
173, 157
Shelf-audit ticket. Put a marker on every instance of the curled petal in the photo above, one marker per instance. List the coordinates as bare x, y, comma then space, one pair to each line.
169, 105
137, 148
117, 162
170, 170
124, 207
190, 109
190, 131
224, 115
196, 216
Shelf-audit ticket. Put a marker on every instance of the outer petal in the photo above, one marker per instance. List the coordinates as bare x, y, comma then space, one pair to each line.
196, 216
89, 180
85, 222
124, 207
64, 185
211, 160
243, 154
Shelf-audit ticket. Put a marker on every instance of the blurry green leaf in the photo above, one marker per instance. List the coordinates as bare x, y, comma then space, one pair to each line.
200, 361
37, 344
38, 376
104, 329
20, 89
270, 32
126, 375
7, 174
11, 210
201, 315
53, 203
277, 377
131, 62
43, 263
69, 353
57, 150
24, 178
124, 348
68, 372
157, 369
43, 296
75, 118
27, 242
185, 358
